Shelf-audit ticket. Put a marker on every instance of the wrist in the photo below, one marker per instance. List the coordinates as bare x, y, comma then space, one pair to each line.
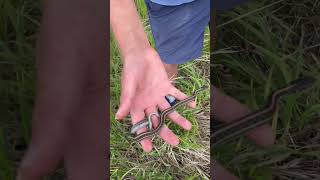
145, 55
135, 44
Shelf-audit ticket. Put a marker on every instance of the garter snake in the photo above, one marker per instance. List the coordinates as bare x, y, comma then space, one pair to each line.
164, 114
244, 124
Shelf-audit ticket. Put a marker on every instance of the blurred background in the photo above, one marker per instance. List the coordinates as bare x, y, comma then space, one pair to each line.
191, 159
263, 45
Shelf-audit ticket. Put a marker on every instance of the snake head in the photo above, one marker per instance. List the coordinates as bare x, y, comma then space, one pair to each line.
202, 88
302, 83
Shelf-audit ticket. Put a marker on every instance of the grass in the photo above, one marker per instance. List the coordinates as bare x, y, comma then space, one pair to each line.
265, 45
190, 159
19, 22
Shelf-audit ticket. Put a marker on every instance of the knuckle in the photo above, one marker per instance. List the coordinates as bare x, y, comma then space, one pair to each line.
27, 171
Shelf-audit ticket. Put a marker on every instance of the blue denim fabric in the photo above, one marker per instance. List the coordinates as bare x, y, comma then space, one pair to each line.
178, 31
215, 4
171, 2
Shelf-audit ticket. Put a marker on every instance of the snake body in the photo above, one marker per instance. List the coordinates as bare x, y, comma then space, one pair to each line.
164, 114
244, 124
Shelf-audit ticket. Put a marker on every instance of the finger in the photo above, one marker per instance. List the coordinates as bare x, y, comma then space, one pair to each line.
168, 136
181, 96
138, 115
145, 143
262, 136
175, 116
165, 133
128, 91
220, 173
40, 159
228, 109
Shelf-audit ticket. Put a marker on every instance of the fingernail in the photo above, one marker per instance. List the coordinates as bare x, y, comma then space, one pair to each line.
188, 125
147, 149
117, 116
176, 143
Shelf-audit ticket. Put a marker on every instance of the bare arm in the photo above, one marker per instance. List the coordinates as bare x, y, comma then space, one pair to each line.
71, 40
144, 79
127, 27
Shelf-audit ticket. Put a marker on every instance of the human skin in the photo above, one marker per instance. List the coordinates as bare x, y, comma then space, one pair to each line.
227, 109
70, 109
144, 81
69, 117
133, 32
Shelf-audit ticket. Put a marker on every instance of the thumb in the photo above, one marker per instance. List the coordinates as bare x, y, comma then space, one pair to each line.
128, 92
220, 173
41, 159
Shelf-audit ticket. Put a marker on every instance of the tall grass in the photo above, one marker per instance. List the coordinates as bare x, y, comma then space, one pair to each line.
190, 158
19, 22
267, 44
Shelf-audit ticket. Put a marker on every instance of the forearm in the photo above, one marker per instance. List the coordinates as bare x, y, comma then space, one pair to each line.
127, 27
71, 41
71, 37
227, 108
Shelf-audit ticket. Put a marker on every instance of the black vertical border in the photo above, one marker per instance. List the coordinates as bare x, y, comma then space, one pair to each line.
212, 26
108, 119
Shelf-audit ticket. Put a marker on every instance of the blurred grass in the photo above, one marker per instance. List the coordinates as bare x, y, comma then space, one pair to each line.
267, 44
164, 162
19, 22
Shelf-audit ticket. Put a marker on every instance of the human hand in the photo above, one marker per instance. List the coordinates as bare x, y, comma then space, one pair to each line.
68, 120
228, 109
145, 84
